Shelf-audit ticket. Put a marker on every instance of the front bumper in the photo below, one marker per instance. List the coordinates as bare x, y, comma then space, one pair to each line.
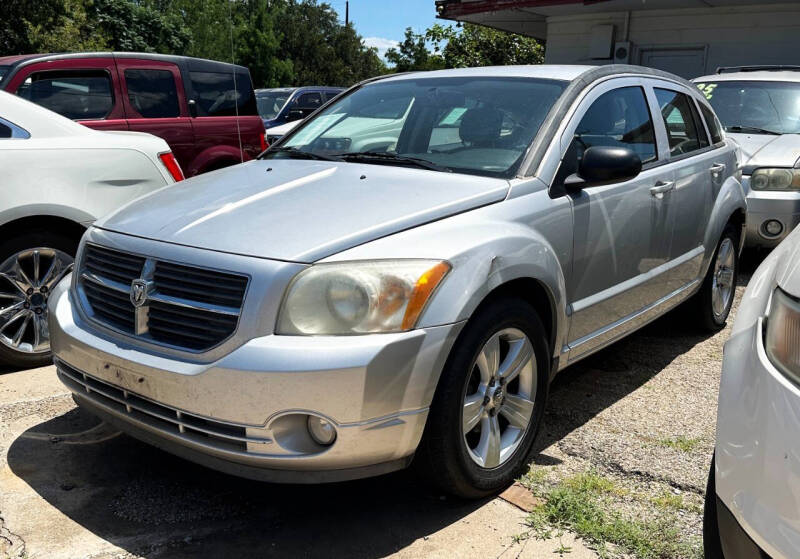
763, 206
758, 446
245, 413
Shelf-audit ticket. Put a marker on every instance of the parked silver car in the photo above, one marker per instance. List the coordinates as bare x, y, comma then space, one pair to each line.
759, 107
354, 300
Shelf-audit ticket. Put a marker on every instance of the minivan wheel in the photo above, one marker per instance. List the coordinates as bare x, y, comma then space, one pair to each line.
712, 546
715, 299
489, 402
30, 267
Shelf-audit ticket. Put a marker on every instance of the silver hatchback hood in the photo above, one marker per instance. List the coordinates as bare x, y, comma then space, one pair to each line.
765, 150
300, 211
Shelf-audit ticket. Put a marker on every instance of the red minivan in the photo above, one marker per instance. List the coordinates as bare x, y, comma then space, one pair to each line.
205, 110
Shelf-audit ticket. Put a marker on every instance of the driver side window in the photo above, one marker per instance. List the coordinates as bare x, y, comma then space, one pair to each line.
618, 118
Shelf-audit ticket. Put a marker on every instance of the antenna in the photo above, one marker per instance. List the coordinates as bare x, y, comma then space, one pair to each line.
235, 90
347, 13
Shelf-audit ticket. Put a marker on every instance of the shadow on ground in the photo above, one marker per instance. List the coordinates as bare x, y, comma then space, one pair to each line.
151, 503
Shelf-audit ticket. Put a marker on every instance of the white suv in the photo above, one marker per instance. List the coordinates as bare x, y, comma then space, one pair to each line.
58, 177
759, 106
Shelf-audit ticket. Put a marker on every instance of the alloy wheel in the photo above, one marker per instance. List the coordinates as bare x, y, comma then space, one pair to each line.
499, 398
26, 280
722, 287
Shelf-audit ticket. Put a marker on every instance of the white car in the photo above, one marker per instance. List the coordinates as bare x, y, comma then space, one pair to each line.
57, 178
759, 107
753, 496
277, 132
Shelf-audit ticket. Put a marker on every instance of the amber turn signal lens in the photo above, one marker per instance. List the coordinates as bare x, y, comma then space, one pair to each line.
424, 288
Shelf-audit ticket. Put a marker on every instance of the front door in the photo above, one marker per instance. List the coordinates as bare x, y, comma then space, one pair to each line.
155, 102
619, 229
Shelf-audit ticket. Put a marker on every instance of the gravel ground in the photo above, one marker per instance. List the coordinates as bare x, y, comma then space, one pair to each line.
642, 413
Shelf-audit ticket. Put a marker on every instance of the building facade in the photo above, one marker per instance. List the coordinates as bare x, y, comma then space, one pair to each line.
687, 37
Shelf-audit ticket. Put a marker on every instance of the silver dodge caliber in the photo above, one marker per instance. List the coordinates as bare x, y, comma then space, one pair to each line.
401, 276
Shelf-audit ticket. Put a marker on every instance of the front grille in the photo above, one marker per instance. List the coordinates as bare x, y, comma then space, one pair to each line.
184, 306
187, 426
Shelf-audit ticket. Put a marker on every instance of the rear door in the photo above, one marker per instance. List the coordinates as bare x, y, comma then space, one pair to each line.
155, 102
697, 165
86, 90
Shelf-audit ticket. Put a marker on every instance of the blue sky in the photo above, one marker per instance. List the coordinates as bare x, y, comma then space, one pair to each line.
383, 22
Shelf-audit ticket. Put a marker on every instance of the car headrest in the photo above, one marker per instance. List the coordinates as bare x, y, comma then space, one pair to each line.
481, 126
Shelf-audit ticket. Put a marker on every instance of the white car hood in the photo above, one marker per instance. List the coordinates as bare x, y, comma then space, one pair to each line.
766, 150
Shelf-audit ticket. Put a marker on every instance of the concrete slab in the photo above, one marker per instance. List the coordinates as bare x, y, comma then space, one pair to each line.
72, 487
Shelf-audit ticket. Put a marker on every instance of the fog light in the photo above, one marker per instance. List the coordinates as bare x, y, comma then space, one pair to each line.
773, 227
321, 430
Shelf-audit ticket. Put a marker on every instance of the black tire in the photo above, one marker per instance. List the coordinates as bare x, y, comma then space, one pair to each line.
712, 546
32, 238
703, 302
442, 456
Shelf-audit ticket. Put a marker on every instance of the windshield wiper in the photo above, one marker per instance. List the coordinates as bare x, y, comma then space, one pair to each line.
295, 153
376, 156
751, 129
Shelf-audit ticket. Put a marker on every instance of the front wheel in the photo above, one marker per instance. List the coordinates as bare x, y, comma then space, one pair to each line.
715, 298
489, 402
30, 267
712, 546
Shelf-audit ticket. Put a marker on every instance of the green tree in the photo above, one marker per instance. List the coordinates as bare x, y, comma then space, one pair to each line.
475, 45
413, 54
139, 26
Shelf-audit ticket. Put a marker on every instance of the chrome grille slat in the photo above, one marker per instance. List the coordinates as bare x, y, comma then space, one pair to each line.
176, 421
186, 307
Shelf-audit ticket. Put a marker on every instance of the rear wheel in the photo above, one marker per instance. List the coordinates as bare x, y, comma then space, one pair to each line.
30, 267
489, 404
715, 299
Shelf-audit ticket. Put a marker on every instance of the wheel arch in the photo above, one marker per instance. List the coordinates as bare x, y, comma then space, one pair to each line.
57, 224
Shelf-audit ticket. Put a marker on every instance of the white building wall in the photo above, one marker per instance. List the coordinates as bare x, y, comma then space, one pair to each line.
685, 41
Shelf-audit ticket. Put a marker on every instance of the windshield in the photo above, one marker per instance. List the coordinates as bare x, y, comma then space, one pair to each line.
3, 72
470, 125
270, 103
753, 106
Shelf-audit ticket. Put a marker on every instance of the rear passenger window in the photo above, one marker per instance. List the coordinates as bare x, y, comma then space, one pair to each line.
153, 93
309, 101
618, 118
714, 127
79, 95
684, 131
216, 94
5, 131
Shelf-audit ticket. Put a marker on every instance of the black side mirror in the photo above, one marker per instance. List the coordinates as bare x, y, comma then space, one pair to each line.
295, 114
605, 165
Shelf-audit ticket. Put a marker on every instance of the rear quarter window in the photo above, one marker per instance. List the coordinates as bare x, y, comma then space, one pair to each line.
75, 94
216, 94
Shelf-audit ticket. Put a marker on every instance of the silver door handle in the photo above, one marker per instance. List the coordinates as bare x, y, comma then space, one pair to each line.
661, 188
718, 168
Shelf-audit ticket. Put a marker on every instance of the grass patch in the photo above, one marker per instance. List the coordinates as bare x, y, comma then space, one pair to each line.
670, 501
580, 504
684, 444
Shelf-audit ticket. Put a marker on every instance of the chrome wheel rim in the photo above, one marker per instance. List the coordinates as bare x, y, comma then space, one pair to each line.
26, 280
722, 281
499, 398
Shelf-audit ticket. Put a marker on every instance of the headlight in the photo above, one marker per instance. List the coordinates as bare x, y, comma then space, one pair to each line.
775, 179
359, 297
782, 339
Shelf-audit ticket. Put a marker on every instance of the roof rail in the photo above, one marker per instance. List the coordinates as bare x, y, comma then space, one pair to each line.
757, 68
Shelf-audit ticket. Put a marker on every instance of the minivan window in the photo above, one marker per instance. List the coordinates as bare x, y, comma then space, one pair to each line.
311, 100
270, 103
682, 125
713, 124
216, 94
755, 107
152, 93
474, 125
75, 94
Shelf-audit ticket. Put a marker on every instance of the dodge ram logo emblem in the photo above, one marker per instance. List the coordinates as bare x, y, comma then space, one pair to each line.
139, 288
